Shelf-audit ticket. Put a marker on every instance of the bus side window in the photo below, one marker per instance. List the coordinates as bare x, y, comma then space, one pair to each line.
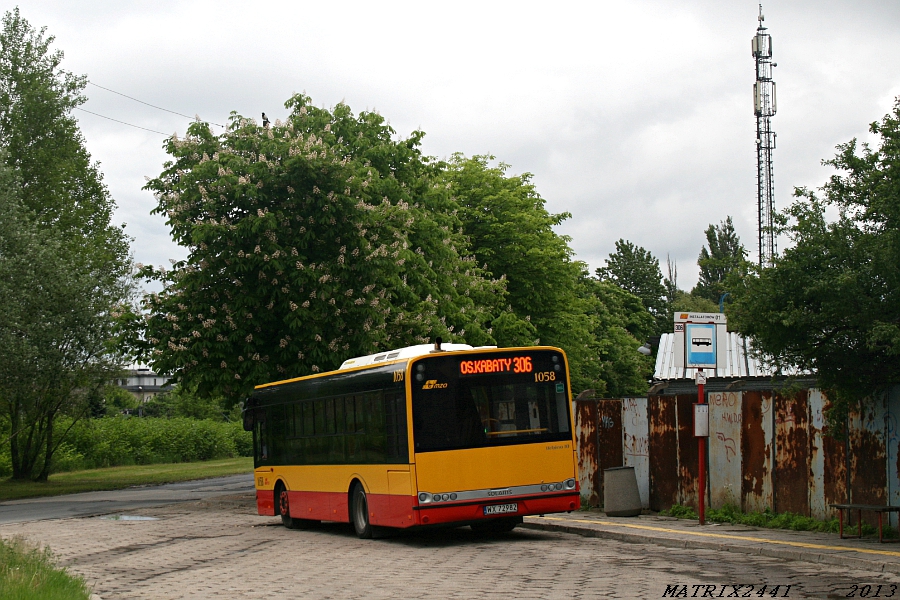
307, 428
350, 415
375, 439
293, 415
562, 413
319, 409
360, 400
340, 423
260, 436
395, 419
277, 427
329, 416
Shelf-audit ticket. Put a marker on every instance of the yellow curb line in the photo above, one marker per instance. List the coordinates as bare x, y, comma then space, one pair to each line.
729, 537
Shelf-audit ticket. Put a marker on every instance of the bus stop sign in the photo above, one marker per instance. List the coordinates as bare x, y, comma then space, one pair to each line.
700, 345
700, 341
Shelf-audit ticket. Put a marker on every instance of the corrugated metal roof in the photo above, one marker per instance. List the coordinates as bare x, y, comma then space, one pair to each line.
739, 362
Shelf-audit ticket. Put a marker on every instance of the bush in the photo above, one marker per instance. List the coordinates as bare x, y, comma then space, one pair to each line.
122, 440
5, 462
243, 440
682, 512
115, 401
730, 513
185, 402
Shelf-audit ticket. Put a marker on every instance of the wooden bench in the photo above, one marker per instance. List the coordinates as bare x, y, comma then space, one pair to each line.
880, 509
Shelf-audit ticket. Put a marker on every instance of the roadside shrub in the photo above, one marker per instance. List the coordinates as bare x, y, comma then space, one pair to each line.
243, 440
67, 458
727, 514
123, 440
184, 401
5, 462
5, 458
681, 512
731, 513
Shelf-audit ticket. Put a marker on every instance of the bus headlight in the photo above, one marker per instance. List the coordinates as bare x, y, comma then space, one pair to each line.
570, 484
424, 497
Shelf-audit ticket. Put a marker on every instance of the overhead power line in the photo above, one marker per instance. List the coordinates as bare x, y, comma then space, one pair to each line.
148, 104
122, 122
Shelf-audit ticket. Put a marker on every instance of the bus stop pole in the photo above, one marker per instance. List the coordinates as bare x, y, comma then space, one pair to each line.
701, 450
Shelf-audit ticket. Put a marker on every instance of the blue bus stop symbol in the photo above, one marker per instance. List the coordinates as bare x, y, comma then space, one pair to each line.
700, 342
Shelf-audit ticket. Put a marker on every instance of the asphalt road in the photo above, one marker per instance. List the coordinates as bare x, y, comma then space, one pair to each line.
101, 503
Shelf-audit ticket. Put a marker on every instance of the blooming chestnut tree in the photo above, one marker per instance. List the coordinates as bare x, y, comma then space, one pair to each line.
309, 241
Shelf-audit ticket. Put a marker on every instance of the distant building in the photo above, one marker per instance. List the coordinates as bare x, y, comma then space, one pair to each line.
143, 383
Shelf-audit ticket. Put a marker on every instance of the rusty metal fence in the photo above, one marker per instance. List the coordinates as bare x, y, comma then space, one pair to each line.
766, 450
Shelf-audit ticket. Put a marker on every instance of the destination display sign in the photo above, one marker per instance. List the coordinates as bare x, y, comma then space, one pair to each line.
510, 364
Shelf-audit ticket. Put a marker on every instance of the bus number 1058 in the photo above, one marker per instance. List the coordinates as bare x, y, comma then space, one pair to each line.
545, 376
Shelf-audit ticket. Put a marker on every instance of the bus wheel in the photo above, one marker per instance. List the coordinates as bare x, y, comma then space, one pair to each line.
284, 509
503, 525
359, 513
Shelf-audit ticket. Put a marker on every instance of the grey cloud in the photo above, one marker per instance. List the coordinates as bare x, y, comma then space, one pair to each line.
635, 117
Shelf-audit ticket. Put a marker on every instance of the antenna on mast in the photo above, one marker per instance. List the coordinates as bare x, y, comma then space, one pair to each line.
764, 107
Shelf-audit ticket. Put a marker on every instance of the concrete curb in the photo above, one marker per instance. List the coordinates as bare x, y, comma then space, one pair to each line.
757, 550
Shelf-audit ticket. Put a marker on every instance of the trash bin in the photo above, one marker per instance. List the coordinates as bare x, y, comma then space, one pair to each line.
621, 497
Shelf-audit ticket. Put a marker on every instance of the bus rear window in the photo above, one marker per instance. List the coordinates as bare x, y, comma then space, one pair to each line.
461, 402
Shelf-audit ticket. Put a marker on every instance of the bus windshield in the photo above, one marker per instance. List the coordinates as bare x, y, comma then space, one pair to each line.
494, 399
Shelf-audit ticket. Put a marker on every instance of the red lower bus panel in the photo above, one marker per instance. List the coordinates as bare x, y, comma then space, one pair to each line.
450, 513
384, 510
340, 511
400, 511
317, 506
265, 502
391, 511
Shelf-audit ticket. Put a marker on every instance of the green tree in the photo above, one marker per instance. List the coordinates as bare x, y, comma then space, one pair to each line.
56, 331
513, 238
310, 241
685, 302
636, 271
117, 401
64, 268
183, 402
42, 143
723, 256
831, 302
671, 280
619, 324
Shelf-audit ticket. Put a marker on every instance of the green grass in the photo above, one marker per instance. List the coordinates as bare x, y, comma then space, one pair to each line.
27, 573
732, 514
114, 478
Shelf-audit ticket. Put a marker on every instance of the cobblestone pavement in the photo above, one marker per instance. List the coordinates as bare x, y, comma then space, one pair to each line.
222, 549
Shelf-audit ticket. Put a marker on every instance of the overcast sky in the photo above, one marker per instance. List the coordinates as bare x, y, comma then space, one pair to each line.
636, 117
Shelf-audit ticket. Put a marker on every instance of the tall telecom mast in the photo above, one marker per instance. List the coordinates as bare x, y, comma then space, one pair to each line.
764, 108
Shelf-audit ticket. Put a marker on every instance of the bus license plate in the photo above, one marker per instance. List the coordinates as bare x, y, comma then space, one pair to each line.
499, 509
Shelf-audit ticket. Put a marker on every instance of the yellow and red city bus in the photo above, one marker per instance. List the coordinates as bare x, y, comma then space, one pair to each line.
420, 436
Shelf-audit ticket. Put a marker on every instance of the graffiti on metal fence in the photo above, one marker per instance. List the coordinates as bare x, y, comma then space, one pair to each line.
636, 445
729, 443
724, 399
